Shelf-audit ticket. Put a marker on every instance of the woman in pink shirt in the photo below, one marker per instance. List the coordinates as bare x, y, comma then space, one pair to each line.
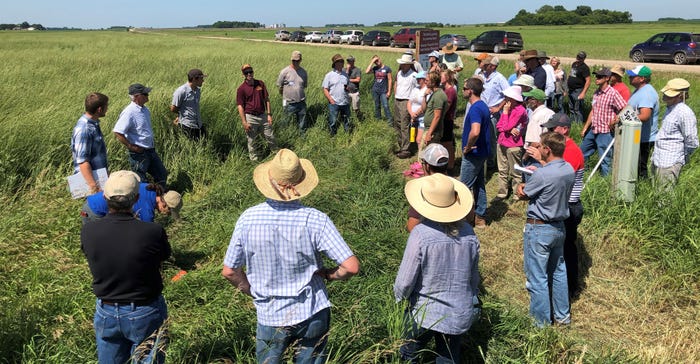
511, 129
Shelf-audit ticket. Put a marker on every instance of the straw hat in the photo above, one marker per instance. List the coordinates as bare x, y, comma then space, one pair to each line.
449, 48
285, 177
675, 86
439, 198
618, 70
525, 80
514, 92
406, 58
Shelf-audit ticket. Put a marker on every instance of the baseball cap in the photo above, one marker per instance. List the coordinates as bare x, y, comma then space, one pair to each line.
350, 59
137, 88
481, 57
435, 54
121, 183
535, 93
246, 67
435, 154
558, 119
675, 86
605, 72
492, 60
174, 201
296, 56
194, 73
640, 70
421, 74
581, 54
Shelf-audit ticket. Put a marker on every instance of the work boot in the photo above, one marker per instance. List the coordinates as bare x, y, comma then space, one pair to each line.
479, 222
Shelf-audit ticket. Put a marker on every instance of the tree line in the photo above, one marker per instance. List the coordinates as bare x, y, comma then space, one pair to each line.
233, 24
558, 15
22, 26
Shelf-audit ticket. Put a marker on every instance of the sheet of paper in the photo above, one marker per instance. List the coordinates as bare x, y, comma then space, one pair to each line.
78, 187
521, 169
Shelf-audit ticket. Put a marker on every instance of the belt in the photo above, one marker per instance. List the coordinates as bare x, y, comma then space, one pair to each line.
401, 99
135, 303
530, 220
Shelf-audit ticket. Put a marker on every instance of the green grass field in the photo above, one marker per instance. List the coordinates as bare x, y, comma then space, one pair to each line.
642, 259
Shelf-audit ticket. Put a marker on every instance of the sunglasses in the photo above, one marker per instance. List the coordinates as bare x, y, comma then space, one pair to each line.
248, 72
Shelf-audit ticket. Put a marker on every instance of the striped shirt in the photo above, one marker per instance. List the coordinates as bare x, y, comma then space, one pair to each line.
574, 156
88, 145
677, 137
606, 104
280, 244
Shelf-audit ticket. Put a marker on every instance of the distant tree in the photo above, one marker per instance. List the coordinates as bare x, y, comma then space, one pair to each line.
583, 10
236, 24
544, 9
558, 15
559, 8
24, 25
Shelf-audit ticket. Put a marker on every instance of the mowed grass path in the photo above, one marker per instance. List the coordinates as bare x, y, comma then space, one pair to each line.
629, 311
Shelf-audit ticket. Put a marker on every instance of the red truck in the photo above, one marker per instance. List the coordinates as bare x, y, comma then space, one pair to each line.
405, 37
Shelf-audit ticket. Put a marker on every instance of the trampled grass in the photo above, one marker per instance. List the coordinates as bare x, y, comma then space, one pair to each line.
640, 304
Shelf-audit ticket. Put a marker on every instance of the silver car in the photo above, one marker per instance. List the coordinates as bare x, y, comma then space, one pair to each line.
313, 37
331, 36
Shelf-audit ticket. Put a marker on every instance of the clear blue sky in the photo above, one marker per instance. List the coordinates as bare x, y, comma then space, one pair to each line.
90, 14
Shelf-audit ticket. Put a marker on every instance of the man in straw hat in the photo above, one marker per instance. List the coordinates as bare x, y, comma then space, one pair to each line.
452, 59
125, 257
439, 273
405, 83
678, 135
534, 68
335, 84
280, 242
548, 190
616, 74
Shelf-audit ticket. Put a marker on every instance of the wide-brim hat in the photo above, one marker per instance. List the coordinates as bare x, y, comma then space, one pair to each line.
405, 59
286, 177
532, 53
449, 48
675, 86
525, 80
618, 70
439, 198
336, 58
514, 92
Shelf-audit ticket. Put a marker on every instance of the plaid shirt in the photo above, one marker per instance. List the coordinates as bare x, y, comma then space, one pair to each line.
87, 144
280, 244
606, 105
677, 137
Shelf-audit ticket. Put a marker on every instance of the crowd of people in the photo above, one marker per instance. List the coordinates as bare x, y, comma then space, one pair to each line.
275, 252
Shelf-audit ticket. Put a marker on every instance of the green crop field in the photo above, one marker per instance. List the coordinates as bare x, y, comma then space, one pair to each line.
641, 259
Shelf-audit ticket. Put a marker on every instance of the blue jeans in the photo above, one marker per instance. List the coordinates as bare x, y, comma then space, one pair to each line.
119, 329
380, 100
575, 105
149, 162
308, 337
296, 110
416, 338
334, 112
592, 142
472, 175
543, 247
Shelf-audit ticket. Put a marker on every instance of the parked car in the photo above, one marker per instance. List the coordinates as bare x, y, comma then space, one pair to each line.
458, 40
313, 37
351, 37
680, 48
376, 38
405, 37
281, 35
331, 36
497, 41
297, 36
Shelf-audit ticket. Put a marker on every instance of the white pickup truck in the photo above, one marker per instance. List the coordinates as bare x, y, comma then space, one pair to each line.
351, 37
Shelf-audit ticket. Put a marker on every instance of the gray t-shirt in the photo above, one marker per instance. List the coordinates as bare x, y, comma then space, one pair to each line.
187, 102
354, 86
549, 188
293, 83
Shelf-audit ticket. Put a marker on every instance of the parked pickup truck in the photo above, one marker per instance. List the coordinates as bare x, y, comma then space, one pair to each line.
352, 37
405, 37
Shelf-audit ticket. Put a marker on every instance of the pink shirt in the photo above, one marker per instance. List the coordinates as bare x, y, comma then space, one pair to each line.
516, 118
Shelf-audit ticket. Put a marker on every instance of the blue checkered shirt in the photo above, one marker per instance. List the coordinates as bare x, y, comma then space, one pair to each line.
87, 144
677, 137
280, 244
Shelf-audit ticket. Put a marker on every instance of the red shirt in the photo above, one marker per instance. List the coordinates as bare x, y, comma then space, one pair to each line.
252, 97
573, 154
622, 89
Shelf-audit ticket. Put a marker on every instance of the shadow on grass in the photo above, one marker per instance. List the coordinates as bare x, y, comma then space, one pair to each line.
475, 345
187, 260
585, 262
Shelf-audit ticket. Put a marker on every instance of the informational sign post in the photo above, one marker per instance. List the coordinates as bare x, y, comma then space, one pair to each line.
426, 42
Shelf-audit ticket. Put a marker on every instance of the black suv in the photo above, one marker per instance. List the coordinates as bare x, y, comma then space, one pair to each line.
497, 41
376, 38
680, 48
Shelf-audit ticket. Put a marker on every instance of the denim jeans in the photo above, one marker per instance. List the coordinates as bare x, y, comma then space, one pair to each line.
336, 111
296, 110
149, 162
543, 248
380, 99
575, 105
472, 175
416, 338
309, 339
119, 329
592, 142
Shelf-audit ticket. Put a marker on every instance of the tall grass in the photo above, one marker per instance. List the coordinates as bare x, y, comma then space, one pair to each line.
47, 304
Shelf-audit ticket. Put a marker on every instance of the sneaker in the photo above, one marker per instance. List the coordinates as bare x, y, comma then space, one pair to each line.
479, 222
403, 154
